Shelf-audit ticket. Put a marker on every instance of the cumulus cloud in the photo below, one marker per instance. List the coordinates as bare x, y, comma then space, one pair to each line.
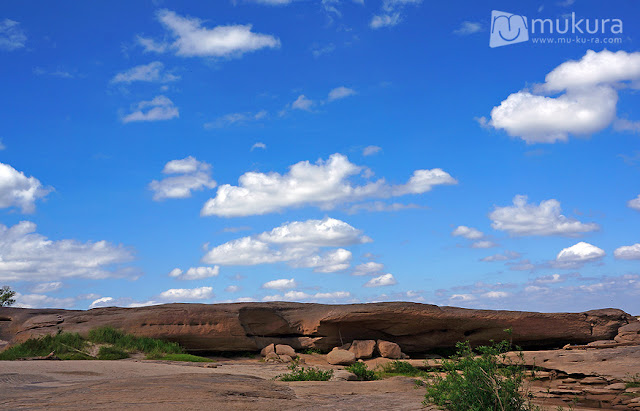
29, 256
160, 108
42, 301
469, 233
371, 150
195, 273
187, 294
524, 219
102, 302
629, 252
635, 203
381, 281
391, 13
483, 244
380, 206
578, 255
191, 39
302, 296
588, 103
324, 184
152, 72
297, 243
260, 145
12, 37
506, 256
370, 268
340, 93
281, 284
232, 289
186, 175
302, 103
18, 190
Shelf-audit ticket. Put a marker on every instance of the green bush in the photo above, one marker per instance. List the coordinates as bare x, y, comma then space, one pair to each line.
488, 381
400, 368
185, 358
111, 353
306, 374
362, 372
153, 347
312, 351
65, 345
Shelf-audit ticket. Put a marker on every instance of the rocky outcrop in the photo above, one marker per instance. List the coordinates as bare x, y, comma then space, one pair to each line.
253, 326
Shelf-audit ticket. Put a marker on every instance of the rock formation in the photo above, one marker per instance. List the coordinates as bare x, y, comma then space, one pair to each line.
253, 326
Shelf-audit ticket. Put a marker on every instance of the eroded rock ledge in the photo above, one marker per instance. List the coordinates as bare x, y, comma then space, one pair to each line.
252, 326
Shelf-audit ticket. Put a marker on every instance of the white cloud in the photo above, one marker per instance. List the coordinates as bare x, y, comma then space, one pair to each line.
635, 203
381, 281
160, 108
629, 252
152, 72
579, 254
507, 255
12, 37
195, 273
380, 206
371, 150
302, 103
232, 289
484, 244
469, 233
588, 105
370, 268
340, 93
296, 243
193, 175
237, 118
324, 184
18, 190
391, 13
260, 145
468, 27
281, 284
28, 256
462, 297
302, 296
42, 301
46, 287
102, 302
187, 294
550, 279
524, 219
495, 294
622, 124
190, 39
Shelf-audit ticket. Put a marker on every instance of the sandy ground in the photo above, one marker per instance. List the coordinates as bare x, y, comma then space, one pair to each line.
233, 385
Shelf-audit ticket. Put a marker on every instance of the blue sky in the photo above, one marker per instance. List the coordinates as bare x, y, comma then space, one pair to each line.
330, 151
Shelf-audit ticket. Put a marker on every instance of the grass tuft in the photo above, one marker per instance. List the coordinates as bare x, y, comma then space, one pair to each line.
111, 353
185, 358
305, 374
362, 372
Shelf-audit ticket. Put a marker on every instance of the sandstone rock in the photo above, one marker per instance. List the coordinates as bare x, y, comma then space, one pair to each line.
592, 380
285, 358
627, 338
618, 386
252, 326
282, 349
271, 357
341, 357
632, 328
389, 350
363, 348
268, 349
345, 346
343, 375
601, 342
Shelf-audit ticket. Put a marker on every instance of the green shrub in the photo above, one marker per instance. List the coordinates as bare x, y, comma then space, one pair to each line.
154, 348
65, 346
306, 374
185, 358
111, 353
312, 351
401, 368
488, 381
362, 372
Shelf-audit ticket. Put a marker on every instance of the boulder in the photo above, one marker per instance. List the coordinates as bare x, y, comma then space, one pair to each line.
252, 326
268, 349
271, 357
363, 348
285, 358
343, 375
341, 357
282, 349
389, 350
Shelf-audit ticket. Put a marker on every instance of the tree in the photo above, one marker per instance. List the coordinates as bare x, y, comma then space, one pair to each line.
6, 296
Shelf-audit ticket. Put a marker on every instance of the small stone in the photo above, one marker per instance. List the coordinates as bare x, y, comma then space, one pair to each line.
268, 349
282, 349
271, 357
343, 375
341, 357
285, 358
